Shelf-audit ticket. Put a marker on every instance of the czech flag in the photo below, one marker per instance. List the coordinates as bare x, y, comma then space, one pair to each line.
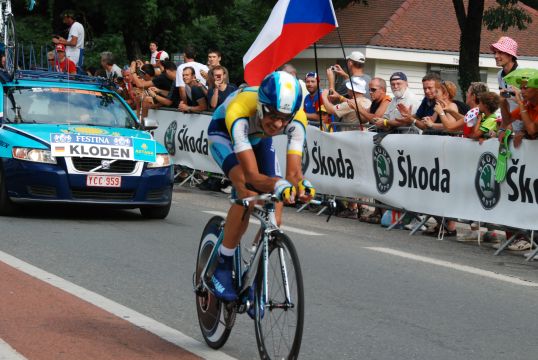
293, 26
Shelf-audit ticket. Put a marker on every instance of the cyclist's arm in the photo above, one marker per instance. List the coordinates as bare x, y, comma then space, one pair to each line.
294, 173
262, 183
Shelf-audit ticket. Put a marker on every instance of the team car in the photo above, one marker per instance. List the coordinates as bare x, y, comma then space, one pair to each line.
68, 139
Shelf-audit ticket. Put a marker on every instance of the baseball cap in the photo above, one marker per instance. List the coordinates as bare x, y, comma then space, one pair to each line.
357, 56
506, 45
60, 47
162, 55
359, 85
311, 74
398, 76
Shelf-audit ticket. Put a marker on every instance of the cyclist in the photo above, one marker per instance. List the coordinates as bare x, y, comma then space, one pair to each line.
240, 137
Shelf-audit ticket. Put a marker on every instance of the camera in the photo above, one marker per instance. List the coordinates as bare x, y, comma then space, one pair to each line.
508, 94
333, 68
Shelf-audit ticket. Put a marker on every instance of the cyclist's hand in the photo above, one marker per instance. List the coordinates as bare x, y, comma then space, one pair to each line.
285, 191
306, 191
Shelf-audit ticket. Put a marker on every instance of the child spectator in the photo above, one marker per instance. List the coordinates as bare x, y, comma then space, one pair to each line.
487, 125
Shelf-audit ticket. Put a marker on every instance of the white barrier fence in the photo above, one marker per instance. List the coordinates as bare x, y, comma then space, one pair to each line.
438, 175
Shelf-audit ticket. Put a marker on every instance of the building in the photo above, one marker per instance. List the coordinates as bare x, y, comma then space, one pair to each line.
413, 36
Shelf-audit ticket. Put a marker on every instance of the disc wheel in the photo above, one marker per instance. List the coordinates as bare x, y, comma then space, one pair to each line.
214, 317
279, 326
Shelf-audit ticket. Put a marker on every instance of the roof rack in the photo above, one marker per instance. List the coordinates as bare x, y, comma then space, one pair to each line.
53, 76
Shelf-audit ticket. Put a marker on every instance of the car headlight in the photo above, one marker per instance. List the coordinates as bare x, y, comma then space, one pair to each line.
162, 160
34, 155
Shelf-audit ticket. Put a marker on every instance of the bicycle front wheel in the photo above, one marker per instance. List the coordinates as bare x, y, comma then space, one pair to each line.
280, 315
214, 317
10, 43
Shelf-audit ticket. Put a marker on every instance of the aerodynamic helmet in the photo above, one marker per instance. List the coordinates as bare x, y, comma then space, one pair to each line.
280, 92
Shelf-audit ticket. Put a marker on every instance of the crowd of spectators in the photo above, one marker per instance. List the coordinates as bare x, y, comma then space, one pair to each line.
352, 100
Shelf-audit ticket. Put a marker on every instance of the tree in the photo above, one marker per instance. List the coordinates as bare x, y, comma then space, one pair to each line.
505, 15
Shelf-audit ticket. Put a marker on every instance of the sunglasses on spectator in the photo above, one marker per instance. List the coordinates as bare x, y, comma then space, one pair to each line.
373, 90
275, 115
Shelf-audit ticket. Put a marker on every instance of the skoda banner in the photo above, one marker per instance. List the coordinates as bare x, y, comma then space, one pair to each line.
437, 175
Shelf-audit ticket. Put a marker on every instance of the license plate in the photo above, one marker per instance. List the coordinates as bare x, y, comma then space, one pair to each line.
103, 181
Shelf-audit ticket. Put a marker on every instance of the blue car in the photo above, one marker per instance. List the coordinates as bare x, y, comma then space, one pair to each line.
72, 140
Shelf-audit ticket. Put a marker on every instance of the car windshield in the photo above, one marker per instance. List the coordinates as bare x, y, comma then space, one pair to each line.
46, 105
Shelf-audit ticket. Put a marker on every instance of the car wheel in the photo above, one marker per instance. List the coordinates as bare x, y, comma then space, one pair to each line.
7, 207
156, 212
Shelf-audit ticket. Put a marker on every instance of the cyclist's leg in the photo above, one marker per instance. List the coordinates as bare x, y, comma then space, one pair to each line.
268, 165
235, 226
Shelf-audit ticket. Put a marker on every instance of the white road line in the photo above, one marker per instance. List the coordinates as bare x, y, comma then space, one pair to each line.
283, 227
455, 266
163, 331
8, 353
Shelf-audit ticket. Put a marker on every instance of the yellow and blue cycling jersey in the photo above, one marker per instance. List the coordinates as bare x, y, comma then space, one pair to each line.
236, 127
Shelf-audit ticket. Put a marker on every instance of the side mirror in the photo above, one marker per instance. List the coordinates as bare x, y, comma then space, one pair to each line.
150, 124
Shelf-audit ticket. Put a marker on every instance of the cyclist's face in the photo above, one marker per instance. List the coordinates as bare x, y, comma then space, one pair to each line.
273, 123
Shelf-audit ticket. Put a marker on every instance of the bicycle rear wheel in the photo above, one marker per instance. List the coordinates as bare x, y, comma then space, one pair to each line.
279, 326
10, 43
215, 319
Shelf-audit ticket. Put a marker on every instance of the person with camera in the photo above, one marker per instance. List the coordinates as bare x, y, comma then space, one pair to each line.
170, 98
355, 62
196, 100
74, 44
221, 89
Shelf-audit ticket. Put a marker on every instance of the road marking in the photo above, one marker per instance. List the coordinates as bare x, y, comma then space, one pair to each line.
8, 353
283, 227
455, 266
163, 331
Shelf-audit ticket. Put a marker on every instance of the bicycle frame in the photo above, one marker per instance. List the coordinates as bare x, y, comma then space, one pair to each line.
245, 279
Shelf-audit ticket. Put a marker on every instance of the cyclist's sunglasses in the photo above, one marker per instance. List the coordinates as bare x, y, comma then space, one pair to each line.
275, 115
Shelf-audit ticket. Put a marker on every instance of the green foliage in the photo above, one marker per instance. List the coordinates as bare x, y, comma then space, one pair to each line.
506, 15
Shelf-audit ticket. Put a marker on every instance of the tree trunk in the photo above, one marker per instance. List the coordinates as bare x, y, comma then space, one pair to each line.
469, 69
132, 45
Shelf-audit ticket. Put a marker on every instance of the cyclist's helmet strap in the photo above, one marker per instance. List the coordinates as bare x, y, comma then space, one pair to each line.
280, 91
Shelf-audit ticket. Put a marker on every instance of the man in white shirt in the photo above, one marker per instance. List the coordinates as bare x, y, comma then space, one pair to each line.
189, 56
402, 97
75, 40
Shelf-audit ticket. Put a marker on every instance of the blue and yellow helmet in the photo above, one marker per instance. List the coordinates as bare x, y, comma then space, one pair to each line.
281, 92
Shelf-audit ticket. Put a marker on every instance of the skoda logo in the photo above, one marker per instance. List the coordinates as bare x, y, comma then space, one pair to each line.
105, 164
169, 138
383, 169
487, 189
305, 161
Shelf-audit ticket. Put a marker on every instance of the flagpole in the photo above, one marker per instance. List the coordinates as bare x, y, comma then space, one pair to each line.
317, 80
350, 82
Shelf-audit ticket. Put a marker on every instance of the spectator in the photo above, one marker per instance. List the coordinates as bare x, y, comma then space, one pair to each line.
380, 100
195, 96
466, 122
311, 100
222, 89
505, 51
112, 70
290, 69
144, 77
355, 62
170, 98
444, 93
356, 89
127, 90
153, 46
213, 59
428, 103
527, 112
63, 64
189, 56
486, 127
75, 40
160, 57
403, 100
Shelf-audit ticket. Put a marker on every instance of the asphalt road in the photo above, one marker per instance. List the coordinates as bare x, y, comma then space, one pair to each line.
370, 293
